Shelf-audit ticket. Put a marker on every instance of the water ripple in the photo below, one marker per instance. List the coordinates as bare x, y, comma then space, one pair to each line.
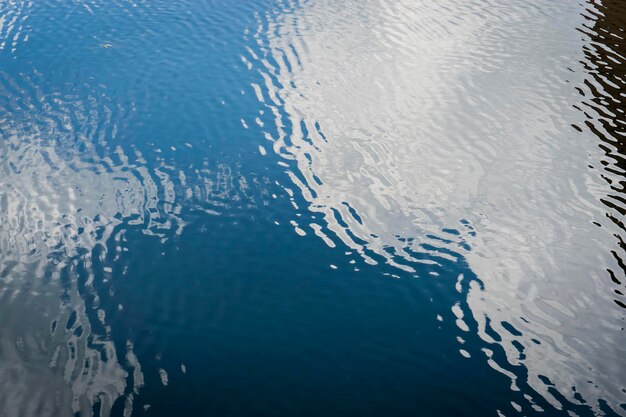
72, 187
402, 120
474, 149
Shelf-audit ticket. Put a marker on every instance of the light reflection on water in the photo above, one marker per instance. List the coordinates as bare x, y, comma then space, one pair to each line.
405, 119
411, 134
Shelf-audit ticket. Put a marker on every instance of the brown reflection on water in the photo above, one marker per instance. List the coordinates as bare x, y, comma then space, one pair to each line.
605, 108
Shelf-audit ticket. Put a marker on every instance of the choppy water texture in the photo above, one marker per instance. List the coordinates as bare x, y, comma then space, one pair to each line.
312, 208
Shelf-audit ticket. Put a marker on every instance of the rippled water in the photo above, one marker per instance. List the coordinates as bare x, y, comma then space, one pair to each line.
312, 208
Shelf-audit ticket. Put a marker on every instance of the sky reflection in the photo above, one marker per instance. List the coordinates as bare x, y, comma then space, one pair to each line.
410, 120
202, 205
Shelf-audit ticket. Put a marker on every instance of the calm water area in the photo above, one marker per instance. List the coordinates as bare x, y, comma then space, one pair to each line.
312, 208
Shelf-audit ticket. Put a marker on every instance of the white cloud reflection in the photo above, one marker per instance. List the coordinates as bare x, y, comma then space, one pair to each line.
67, 200
403, 118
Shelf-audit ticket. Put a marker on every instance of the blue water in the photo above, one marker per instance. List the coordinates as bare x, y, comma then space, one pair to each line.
312, 208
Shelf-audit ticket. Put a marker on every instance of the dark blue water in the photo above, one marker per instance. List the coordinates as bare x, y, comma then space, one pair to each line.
312, 208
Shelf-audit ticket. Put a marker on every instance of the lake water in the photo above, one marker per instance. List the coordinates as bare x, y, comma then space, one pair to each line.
312, 208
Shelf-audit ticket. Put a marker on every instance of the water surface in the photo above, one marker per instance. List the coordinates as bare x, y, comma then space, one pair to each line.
312, 208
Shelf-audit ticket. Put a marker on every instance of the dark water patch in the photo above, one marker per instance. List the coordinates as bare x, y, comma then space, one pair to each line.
605, 64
